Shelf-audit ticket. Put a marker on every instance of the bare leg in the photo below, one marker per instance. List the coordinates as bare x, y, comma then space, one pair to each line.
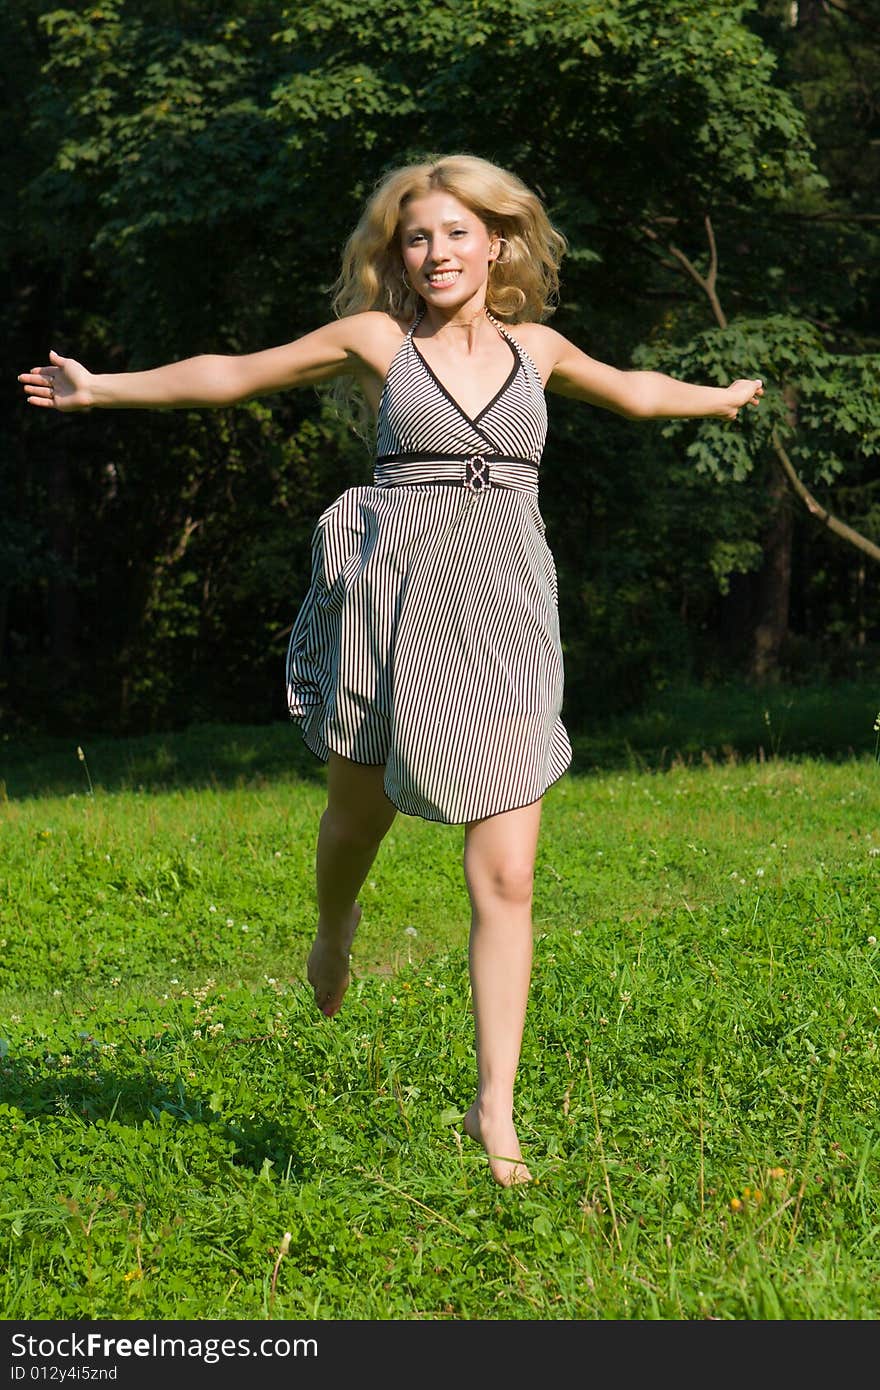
357, 818
499, 862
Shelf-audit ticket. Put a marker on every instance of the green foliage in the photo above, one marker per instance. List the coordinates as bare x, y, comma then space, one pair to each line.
829, 420
178, 181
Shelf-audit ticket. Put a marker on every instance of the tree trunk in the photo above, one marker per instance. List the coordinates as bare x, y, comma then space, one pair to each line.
62, 613
773, 589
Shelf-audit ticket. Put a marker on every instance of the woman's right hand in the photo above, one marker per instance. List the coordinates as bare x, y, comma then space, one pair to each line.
64, 384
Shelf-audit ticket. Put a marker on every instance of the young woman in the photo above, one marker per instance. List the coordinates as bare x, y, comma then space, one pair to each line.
425, 664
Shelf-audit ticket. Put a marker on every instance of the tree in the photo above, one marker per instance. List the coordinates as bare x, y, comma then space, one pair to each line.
184, 181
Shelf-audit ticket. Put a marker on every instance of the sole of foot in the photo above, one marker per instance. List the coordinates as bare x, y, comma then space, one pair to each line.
328, 968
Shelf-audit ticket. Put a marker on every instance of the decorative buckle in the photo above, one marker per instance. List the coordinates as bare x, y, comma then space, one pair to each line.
476, 474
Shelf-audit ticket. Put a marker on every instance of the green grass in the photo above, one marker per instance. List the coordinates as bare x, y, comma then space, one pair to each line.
699, 1089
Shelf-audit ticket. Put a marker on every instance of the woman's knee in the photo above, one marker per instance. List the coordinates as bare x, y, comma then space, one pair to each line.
353, 827
358, 813
508, 879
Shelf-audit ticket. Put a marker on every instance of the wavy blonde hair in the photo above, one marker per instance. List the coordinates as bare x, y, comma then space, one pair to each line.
522, 287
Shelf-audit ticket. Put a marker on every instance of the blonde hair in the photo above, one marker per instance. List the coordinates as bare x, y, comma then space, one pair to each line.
523, 285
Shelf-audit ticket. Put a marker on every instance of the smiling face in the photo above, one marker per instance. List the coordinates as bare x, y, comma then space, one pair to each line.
446, 250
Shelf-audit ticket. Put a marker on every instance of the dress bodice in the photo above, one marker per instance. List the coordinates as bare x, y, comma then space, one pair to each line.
417, 415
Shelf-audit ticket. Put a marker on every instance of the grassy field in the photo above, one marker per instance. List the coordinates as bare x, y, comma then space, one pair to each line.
699, 1090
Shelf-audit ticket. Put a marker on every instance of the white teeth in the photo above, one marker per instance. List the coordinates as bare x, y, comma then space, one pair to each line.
446, 277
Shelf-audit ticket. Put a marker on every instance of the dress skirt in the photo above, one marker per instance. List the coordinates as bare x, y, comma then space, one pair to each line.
428, 642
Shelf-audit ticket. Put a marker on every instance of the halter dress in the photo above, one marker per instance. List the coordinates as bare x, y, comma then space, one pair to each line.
428, 640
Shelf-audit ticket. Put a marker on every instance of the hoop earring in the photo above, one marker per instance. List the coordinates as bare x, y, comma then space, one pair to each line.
502, 241
405, 280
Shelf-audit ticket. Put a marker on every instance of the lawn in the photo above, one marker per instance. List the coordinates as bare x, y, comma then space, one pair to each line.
184, 1137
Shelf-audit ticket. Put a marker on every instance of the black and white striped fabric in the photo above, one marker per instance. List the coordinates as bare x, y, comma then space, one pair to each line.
428, 641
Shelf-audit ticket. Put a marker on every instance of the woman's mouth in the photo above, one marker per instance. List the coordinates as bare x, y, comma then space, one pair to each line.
439, 279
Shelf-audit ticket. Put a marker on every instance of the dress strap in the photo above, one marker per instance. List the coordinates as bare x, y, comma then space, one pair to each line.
416, 321
496, 323
517, 347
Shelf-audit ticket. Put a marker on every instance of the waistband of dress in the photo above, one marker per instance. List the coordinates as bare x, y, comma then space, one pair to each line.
476, 472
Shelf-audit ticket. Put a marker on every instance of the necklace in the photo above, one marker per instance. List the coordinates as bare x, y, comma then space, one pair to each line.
482, 312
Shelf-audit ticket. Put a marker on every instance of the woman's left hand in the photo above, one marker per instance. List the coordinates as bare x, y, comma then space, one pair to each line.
742, 393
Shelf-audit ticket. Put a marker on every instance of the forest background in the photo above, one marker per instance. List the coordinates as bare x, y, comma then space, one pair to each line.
180, 178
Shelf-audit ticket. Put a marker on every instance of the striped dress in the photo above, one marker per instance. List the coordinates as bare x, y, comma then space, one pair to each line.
428, 641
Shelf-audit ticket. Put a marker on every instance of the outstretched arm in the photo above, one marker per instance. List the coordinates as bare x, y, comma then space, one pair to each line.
640, 395
210, 380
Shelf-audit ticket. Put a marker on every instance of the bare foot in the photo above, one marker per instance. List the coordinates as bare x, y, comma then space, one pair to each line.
328, 966
500, 1141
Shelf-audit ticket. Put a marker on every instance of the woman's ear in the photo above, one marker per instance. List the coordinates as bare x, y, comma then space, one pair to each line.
499, 249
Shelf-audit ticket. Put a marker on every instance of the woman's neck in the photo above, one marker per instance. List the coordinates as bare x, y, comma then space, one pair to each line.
460, 326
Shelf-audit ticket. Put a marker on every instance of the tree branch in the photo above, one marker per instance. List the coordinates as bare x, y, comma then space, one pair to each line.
816, 509
833, 216
837, 8
707, 284
173, 556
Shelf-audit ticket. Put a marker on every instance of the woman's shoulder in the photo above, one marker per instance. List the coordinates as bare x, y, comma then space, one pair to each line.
376, 325
371, 337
